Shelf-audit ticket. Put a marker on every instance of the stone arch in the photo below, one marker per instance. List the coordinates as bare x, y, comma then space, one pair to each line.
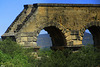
94, 28
70, 19
56, 34
94, 23
29, 38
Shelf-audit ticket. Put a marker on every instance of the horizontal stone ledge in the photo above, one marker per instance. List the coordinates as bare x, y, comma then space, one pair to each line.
73, 37
61, 5
31, 47
73, 32
9, 34
66, 47
76, 39
24, 34
36, 48
70, 46
77, 42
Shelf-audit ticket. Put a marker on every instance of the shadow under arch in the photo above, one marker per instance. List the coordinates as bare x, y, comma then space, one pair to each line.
95, 31
57, 36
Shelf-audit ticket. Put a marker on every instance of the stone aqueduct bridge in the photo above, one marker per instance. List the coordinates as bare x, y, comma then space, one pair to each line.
66, 24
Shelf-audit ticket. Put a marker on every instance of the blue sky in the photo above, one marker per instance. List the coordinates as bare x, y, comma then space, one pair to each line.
9, 9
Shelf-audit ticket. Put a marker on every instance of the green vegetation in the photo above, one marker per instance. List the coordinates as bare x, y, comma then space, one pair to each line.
84, 57
13, 55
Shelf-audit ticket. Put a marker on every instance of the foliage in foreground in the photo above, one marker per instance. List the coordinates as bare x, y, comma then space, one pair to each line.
85, 57
13, 55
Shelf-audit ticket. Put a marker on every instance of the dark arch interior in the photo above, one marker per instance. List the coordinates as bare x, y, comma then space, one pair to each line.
56, 35
95, 31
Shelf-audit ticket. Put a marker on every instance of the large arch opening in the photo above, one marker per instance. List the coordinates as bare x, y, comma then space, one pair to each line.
44, 39
87, 38
56, 35
95, 31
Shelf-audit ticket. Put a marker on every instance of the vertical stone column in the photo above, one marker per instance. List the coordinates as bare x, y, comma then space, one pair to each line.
68, 39
73, 38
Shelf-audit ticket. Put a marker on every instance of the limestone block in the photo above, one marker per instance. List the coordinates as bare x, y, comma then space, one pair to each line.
23, 34
81, 38
29, 39
22, 43
73, 37
69, 43
42, 11
68, 38
74, 32
77, 42
34, 38
18, 40
30, 44
23, 39
67, 34
30, 34
77, 37
34, 44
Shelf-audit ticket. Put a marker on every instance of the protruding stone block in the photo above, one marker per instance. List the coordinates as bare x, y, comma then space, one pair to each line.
74, 32
73, 37
70, 43
22, 43
23, 39
30, 44
81, 38
29, 39
67, 34
77, 42
34, 44
69, 38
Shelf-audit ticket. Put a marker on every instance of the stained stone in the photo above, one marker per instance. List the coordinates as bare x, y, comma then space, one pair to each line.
65, 23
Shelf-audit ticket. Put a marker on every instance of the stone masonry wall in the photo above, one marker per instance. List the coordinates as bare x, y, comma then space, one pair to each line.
70, 22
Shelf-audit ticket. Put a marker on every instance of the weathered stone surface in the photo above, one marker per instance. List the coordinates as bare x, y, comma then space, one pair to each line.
30, 44
23, 39
22, 43
65, 23
77, 42
70, 43
30, 39
67, 34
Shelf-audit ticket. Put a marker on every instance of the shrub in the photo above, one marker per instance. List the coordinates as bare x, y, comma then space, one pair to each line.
13, 55
85, 57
